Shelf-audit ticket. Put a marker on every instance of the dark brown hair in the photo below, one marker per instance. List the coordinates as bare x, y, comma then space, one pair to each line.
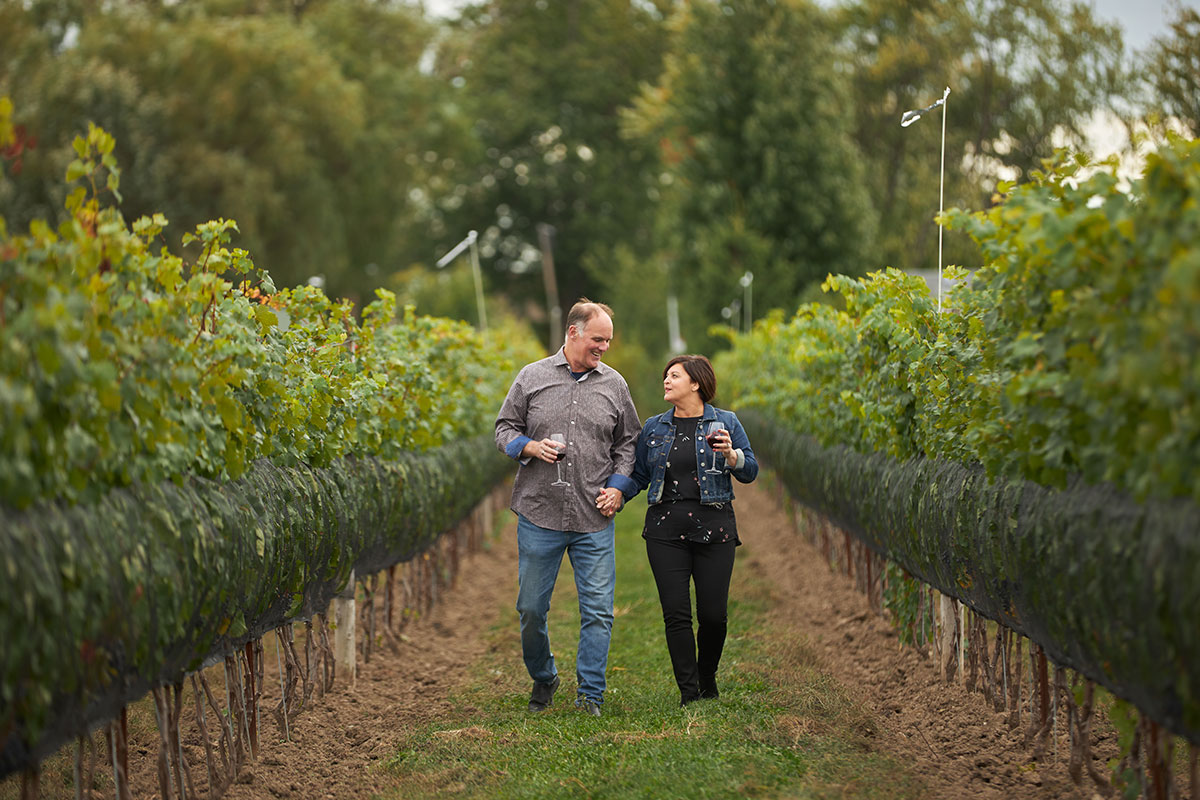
698, 369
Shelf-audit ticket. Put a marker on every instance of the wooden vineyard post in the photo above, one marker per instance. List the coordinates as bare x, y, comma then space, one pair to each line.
962, 641
487, 520
389, 600
118, 747
343, 634
947, 625
1043, 687
1194, 770
31, 780
253, 691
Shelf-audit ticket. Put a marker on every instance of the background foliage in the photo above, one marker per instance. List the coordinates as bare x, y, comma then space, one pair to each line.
121, 361
1031, 448
759, 170
195, 457
1067, 353
146, 585
355, 142
1103, 583
670, 146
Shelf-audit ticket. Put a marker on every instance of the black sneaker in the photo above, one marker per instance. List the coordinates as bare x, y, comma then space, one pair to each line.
588, 705
708, 687
542, 695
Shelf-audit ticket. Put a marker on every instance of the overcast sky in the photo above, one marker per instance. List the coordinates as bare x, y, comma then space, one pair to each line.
1142, 19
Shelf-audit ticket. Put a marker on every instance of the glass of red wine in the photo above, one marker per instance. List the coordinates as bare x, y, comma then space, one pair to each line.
560, 442
715, 429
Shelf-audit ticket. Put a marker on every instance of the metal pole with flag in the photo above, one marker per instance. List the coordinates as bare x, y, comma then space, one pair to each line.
469, 241
907, 119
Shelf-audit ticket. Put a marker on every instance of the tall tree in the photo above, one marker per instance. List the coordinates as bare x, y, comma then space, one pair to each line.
543, 83
761, 173
307, 122
1026, 76
1173, 71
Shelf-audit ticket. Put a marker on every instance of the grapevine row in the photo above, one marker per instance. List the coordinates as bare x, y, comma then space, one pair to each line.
1032, 447
192, 457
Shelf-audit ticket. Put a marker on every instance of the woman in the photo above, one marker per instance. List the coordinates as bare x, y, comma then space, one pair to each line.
690, 529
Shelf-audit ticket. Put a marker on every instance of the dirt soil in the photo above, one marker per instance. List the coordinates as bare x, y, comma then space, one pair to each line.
951, 738
948, 737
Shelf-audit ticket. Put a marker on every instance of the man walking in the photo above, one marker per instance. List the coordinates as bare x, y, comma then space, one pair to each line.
570, 421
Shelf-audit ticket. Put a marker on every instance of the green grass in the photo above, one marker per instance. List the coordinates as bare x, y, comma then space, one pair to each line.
781, 728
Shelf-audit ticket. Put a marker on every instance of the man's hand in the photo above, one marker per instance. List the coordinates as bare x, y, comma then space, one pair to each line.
545, 449
609, 501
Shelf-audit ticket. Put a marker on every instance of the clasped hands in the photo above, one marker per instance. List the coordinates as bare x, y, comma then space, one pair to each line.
609, 500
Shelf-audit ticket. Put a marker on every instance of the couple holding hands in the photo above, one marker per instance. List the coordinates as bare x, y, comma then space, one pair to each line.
572, 411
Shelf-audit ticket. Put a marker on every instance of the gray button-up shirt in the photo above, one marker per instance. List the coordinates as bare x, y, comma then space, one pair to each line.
596, 415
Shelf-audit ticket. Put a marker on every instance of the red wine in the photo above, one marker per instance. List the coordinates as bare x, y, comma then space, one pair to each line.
712, 439
560, 455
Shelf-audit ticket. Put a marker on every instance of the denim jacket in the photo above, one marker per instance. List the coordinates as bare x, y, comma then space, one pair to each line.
653, 446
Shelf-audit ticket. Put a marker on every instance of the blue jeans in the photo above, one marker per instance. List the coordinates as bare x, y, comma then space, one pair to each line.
593, 557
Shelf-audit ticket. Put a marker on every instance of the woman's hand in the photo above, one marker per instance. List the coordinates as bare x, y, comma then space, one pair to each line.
609, 501
724, 445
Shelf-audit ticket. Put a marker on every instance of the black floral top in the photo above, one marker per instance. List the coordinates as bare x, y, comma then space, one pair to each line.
681, 515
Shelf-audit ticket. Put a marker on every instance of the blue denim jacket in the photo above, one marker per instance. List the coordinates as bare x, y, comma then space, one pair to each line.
658, 434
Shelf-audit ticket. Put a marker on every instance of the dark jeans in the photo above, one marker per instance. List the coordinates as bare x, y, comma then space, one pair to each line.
676, 563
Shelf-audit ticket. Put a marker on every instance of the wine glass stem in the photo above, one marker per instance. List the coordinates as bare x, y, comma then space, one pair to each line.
558, 466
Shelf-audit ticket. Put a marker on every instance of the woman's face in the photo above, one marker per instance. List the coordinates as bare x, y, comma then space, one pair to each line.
678, 387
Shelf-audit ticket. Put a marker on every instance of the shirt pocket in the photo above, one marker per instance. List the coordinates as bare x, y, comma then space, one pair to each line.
655, 445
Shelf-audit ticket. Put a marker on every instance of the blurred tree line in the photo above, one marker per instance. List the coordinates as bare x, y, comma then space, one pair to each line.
648, 149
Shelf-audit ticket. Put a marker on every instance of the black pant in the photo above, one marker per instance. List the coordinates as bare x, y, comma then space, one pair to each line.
676, 563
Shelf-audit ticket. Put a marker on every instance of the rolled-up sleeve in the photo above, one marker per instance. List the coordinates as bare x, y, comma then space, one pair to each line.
625, 438
641, 465
747, 470
510, 422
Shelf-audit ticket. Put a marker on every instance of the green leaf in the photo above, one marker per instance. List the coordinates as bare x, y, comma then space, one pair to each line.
76, 170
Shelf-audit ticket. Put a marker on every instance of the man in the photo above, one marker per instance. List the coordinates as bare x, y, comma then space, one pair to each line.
567, 505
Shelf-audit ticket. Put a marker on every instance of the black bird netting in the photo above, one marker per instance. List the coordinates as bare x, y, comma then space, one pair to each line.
1108, 586
103, 603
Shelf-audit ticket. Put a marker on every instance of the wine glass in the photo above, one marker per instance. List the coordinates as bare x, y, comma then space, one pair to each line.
560, 442
714, 431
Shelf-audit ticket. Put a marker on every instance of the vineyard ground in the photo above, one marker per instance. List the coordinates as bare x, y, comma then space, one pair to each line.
947, 741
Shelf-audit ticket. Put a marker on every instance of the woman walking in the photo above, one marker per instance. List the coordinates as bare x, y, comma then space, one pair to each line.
685, 457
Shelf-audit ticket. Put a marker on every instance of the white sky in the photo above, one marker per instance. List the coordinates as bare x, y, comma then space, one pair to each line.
1141, 19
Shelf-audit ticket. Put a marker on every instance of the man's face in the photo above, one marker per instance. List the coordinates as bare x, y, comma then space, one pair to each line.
584, 348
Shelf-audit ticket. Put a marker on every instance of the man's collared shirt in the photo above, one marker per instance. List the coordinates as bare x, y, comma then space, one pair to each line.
596, 415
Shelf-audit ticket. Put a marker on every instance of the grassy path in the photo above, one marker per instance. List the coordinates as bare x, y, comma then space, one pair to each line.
781, 728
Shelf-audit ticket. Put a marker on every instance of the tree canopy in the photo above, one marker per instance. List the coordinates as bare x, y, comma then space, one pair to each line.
648, 149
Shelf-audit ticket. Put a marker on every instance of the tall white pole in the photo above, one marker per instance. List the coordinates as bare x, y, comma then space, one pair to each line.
545, 232
941, 196
675, 341
479, 280
908, 118
470, 241
747, 282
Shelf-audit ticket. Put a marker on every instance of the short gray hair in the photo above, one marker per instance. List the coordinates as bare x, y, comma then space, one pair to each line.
582, 312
